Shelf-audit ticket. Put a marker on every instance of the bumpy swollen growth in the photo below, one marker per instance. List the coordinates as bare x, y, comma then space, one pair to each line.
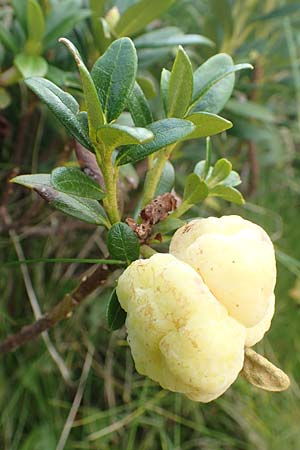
192, 312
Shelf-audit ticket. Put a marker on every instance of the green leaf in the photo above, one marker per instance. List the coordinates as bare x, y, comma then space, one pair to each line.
148, 85
220, 172
20, 11
81, 208
94, 109
227, 193
164, 88
207, 124
200, 169
116, 135
98, 25
73, 181
180, 85
139, 107
61, 21
35, 28
214, 82
137, 16
115, 314
31, 65
250, 110
232, 180
33, 181
195, 190
167, 179
123, 243
63, 106
166, 132
8, 39
103, 34
170, 37
114, 76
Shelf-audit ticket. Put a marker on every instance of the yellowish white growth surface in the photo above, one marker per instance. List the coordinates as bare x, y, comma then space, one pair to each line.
191, 313
236, 261
256, 333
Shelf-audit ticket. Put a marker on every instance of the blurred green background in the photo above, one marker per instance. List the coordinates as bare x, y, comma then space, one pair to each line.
82, 362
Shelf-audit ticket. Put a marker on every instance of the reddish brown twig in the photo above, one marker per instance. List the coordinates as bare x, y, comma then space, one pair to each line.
61, 311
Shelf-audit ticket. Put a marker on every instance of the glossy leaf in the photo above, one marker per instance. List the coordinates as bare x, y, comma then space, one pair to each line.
33, 181
114, 77
84, 209
207, 124
170, 37
94, 109
220, 172
73, 181
81, 208
35, 28
116, 135
63, 106
164, 88
137, 16
227, 193
139, 107
31, 65
180, 85
166, 132
214, 82
115, 314
195, 190
122, 241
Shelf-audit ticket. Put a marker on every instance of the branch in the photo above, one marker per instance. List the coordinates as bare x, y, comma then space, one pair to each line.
63, 310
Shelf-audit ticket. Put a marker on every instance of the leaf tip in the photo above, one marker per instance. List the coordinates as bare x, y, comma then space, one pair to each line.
13, 180
71, 47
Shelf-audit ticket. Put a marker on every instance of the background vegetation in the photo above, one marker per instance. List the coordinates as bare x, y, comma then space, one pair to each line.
42, 383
